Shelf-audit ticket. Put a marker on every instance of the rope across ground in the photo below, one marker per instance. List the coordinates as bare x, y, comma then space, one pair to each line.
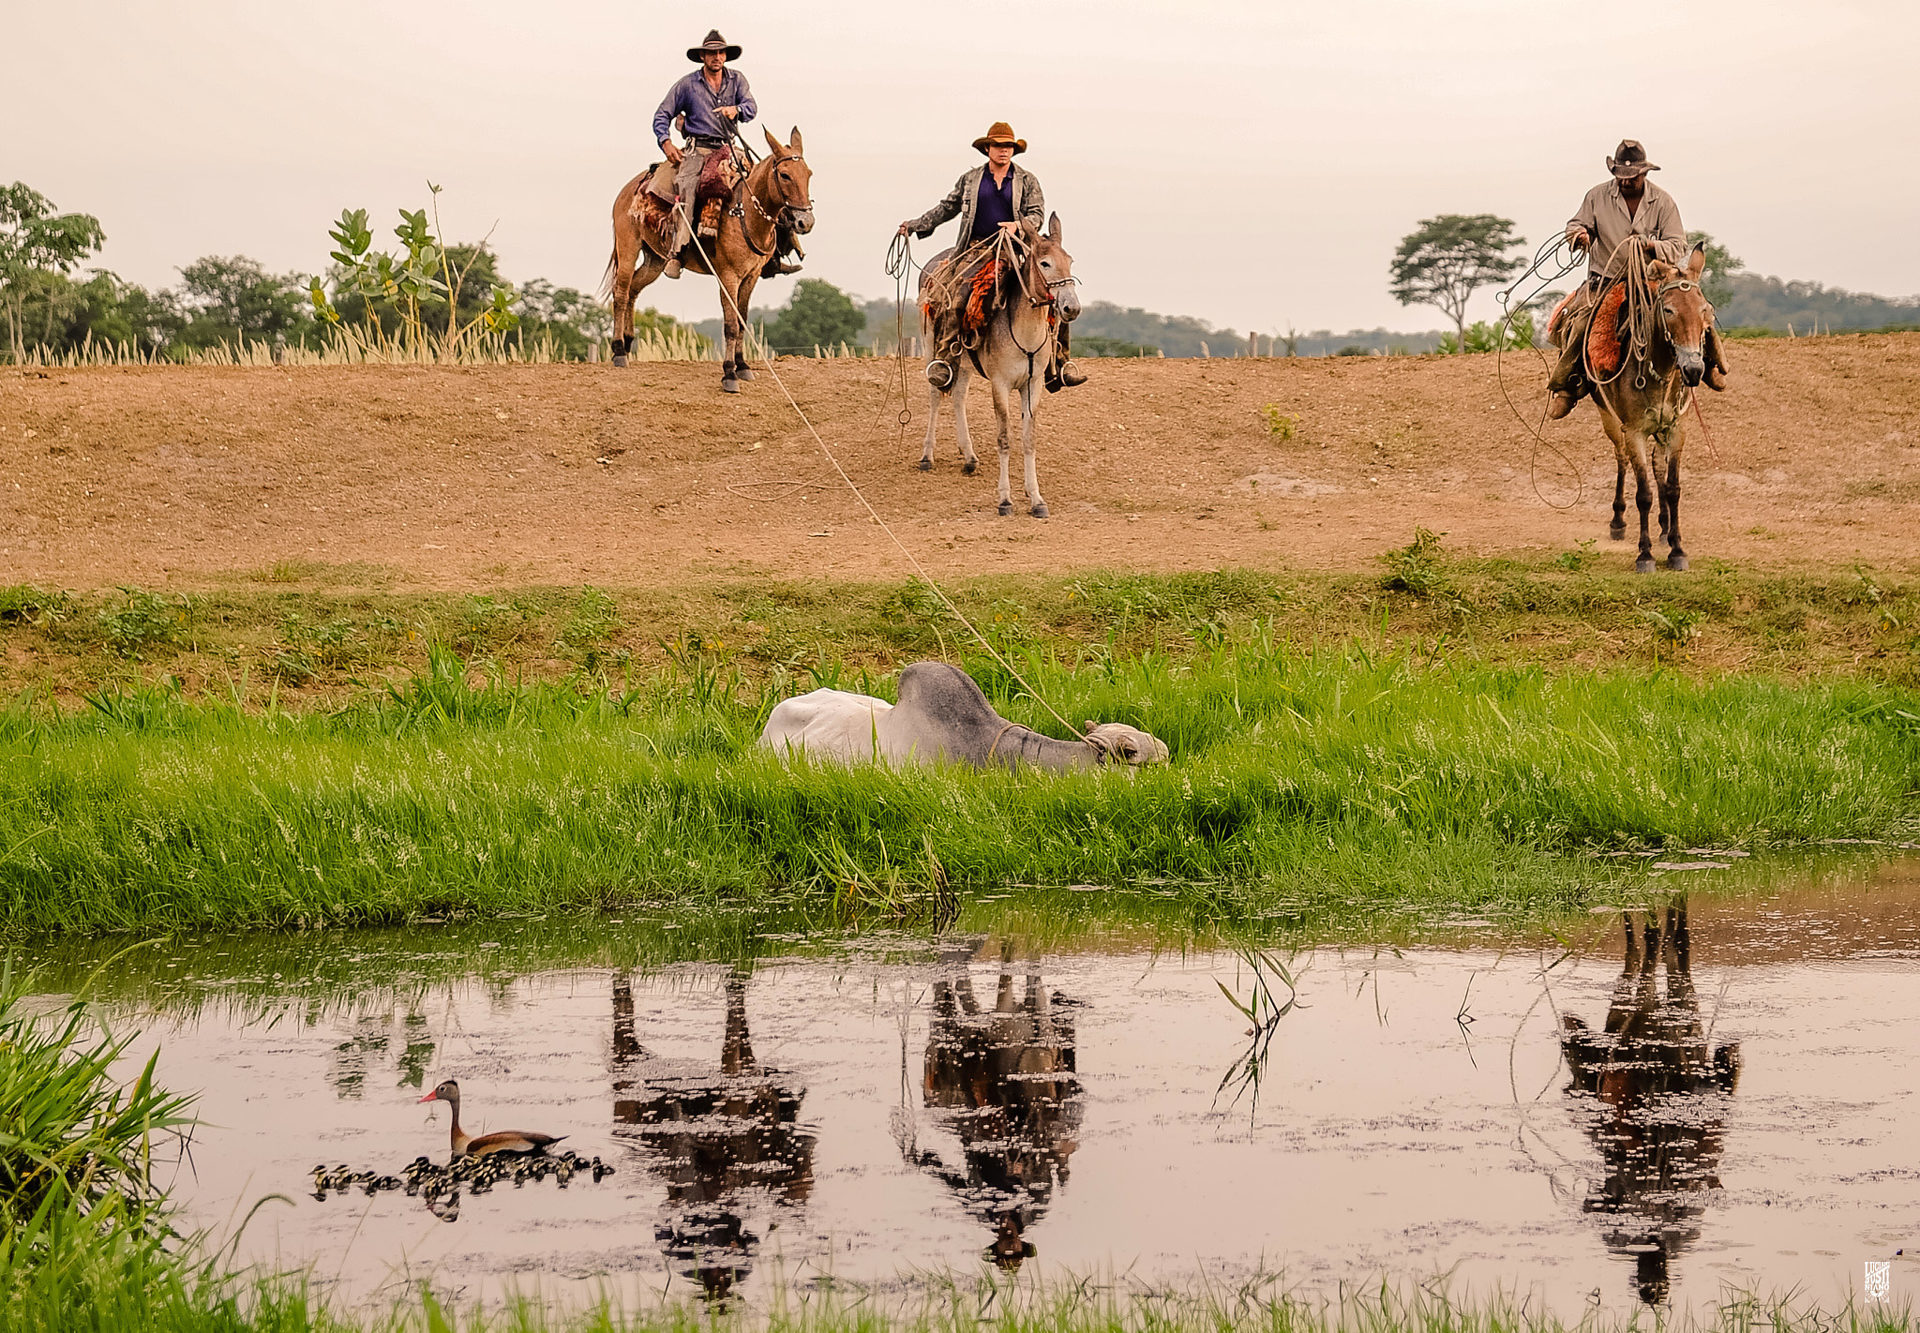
505, 476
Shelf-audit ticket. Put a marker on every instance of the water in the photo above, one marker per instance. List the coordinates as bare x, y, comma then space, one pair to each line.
1746, 1118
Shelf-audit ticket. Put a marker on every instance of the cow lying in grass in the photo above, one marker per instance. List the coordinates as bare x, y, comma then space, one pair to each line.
942, 715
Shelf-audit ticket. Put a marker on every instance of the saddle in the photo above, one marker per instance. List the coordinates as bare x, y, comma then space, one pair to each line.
1605, 351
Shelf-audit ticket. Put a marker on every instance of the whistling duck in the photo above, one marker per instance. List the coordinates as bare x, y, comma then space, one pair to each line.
506, 1140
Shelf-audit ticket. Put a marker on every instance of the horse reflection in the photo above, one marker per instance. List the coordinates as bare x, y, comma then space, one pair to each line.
720, 1139
1003, 1082
1655, 1100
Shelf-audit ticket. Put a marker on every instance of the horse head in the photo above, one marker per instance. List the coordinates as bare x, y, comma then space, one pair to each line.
787, 186
1683, 312
1050, 269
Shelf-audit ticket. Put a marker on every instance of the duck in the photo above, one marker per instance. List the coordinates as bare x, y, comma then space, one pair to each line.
522, 1142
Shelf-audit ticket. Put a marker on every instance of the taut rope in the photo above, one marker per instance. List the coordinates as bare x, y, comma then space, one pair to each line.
918, 568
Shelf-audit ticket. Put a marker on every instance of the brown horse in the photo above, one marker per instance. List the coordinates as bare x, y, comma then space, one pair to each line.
776, 194
1663, 326
1036, 292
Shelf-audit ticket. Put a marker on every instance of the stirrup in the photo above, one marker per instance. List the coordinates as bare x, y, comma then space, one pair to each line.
940, 375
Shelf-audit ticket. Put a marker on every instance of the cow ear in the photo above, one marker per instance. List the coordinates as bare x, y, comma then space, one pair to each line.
1053, 229
773, 143
1697, 262
1086, 728
793, 141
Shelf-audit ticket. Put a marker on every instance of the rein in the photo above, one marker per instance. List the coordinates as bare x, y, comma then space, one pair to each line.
774, 219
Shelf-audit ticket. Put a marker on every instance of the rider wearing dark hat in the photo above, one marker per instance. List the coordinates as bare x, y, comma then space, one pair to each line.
995, 196
1617, 216
713, 99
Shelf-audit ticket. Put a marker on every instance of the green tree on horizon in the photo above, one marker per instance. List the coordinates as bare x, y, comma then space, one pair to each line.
1450, 257
818, 314
39, 248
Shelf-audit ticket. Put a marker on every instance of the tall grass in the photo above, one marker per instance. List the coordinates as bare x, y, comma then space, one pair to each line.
348, 347
1302, 783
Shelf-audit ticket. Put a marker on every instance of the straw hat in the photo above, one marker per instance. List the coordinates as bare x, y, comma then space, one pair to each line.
714, 42
1630, 160
1001, 133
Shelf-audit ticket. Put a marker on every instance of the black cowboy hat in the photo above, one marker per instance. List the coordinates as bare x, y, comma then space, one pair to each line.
1630, 160
714, 42
1000, 133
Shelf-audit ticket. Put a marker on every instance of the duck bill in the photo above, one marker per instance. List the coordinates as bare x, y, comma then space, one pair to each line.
430, 1097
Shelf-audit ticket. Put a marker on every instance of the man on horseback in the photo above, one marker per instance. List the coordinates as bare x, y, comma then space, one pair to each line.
712, 99
992, 198
1618, 216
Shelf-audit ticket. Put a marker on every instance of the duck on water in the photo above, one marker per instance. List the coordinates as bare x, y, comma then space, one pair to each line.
501, 1141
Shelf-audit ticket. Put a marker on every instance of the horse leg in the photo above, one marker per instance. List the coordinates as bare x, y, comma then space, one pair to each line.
957, 391
1035, 505
1644, 486
734, 318
933, 420
1003, 409
1611, 425
1670, 500
743, 303
626, 254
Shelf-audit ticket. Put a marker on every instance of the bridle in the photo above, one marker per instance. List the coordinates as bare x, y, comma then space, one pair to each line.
781, 217
1048, 288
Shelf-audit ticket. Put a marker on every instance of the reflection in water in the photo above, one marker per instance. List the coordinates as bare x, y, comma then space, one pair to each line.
1654, 1100
718, 1138
1003, 1082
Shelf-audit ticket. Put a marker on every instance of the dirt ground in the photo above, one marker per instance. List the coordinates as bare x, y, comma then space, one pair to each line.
512, 476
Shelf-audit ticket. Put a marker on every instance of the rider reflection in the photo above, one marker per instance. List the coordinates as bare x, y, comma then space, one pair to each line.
1654, 1098
1002, 1081
722, 1140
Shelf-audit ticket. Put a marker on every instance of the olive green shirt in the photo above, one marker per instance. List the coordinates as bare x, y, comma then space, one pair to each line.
1604, 214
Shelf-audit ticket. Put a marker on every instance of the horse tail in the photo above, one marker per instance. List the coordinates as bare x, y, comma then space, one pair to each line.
606, 279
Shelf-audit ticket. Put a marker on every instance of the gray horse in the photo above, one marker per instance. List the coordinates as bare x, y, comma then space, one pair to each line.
1015, 348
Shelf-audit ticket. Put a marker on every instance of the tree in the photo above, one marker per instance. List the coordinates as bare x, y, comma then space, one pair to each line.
1449, 258
1717, 287
235, 300
818, 315
36, 243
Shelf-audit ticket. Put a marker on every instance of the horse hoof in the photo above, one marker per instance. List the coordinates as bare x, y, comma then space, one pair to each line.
1038, 511
926, 465
1006, 507
744, 374
1618, 534
620, 362
1677, 562
1644, 565
968, 468
729, 386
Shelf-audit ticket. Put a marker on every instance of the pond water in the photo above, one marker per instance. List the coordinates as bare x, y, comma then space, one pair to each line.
1723, 1095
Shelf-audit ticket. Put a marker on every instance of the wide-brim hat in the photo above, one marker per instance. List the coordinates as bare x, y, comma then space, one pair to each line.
1001, 133
714, 42
1630, 159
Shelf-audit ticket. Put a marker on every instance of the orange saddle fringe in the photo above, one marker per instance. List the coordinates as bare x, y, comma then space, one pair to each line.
1604, 352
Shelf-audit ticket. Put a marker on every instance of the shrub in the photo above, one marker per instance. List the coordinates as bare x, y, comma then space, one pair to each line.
1417, 567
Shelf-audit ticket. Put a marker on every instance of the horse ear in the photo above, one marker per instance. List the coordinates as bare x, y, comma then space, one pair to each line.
1053, 229
773, 143
1697, 262
793, 141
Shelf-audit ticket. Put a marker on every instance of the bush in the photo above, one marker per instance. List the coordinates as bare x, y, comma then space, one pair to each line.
143, 619
1417, 567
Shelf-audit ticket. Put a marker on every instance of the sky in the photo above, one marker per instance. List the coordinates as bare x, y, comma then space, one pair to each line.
1252, 164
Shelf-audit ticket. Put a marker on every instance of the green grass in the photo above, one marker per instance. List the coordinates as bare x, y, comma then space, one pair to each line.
1306, 784
312, 631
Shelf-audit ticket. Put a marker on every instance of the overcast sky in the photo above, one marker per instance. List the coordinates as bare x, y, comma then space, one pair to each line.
1252, 164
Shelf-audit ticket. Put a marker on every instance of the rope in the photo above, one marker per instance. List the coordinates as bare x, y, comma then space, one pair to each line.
1547, 253
918, 568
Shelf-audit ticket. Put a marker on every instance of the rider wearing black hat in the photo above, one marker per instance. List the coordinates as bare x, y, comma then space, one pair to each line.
712, 99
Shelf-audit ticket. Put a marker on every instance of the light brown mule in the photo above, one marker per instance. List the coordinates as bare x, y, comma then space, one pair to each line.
1642, 403
776, 193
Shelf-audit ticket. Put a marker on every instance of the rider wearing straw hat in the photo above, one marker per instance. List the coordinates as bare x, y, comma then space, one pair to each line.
1616, 216
992, 197
713, 99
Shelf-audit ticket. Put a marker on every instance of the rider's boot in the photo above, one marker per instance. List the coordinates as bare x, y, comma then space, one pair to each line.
1716, 361
1563, 401
672, 270
940, 374
1565, 383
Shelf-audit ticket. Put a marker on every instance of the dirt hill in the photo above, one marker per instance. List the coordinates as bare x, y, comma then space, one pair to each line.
468, 478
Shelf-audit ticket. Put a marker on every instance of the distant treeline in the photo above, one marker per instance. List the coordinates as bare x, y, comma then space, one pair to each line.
1759, 302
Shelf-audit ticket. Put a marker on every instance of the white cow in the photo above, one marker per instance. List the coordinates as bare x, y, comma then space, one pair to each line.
942, 715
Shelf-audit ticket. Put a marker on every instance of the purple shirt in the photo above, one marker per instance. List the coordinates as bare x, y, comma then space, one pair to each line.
994, 207
696, 97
